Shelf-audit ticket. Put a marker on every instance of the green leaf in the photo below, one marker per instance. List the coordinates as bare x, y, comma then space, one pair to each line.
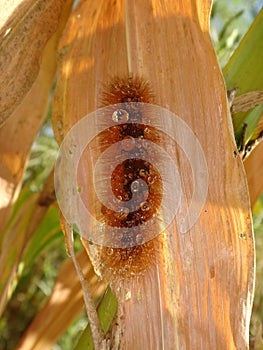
244, 70
107, 308
251, 118
30, 229
48, 231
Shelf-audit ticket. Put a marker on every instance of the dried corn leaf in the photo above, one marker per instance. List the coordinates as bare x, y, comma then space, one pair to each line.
19, 132
24, 35
63, 306
247, 101
199, 291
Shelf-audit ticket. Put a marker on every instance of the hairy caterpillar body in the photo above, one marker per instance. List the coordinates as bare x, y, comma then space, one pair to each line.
118, 166
117, 180
133, 177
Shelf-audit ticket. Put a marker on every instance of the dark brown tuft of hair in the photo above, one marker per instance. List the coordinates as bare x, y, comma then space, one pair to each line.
123, 264
121, 90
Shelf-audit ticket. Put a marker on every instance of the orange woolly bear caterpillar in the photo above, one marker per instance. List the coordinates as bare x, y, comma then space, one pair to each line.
119, 166
139, 253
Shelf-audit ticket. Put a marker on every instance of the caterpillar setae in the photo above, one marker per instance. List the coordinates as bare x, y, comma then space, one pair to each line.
117, 179
135, 182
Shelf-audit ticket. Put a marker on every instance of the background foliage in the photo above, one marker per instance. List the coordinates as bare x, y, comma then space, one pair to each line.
41, 261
